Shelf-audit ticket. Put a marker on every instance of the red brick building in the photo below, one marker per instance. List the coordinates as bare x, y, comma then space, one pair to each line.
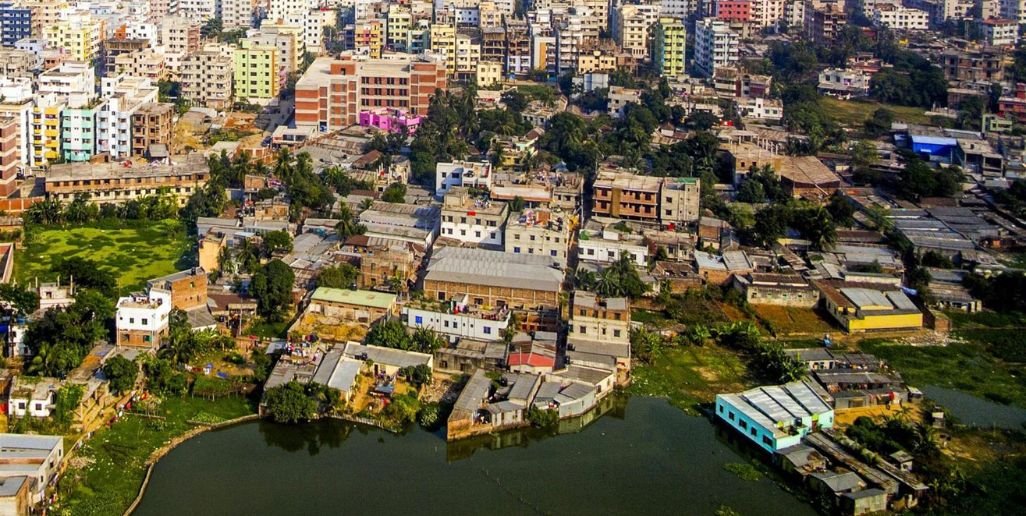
332, 93
734, 10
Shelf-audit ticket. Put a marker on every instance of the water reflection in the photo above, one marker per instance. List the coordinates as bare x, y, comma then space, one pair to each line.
292, 438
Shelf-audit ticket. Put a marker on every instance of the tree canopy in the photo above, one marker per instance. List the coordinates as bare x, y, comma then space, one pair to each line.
271, 286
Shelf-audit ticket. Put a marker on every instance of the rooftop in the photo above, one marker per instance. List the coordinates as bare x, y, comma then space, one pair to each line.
777, 407
367, 298
494, 268
387, 356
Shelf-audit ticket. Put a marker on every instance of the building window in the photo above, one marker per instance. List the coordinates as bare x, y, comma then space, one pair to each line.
743, 424
730, 416
767, 441
418, 320
516, 250
487, 330
582, 330
616, 333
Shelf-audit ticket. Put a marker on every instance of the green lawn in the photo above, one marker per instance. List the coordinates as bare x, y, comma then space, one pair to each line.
853, 113
970, 367
690, 376
117, 456
135, 250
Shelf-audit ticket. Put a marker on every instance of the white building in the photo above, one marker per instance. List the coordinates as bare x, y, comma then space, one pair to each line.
36, 457
716, 45
632, 28
68, 80
760, 108
474, 221
843, 82
32, 396
607, 244
619, 97
198, 10
767, 13
472, 174
124, 96
458, 318
1000, 32
900, 18
142, 320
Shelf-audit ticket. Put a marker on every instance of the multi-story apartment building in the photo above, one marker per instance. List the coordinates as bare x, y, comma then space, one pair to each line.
679, 200
73, 78
630, 196
518, 47
332, 93
470, 220
599, 331
206, 79
123, 96
19, 63
900, 18
999, 32
632, 28
10, 154
46, 129
766, 13
470, 174
116, 183
595, 61
716, 45
287, 39
733, 10
149, 63
78, 130
79, 35
256, 73
114, 47
1013, 10
151, 125
540, 232
398, 24
975, 66
45, 13
179, 37
369, 37
143, 320
669, 41
16, 101
198, 10
15, 22
824, 23
239, 14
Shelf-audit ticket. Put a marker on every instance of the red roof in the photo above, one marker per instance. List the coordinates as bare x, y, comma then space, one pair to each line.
531, 359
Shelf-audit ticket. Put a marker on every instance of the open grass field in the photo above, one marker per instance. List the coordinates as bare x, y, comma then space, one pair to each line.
793, 321
112, 464
135, 250
853, 113
690, 376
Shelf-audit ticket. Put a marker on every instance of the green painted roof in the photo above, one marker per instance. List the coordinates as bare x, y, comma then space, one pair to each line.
368, 298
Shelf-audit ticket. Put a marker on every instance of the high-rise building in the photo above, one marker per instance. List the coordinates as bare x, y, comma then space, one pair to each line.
206, 78
632, 26
238, 14
669, 43
255, 70
716, 45
15, 23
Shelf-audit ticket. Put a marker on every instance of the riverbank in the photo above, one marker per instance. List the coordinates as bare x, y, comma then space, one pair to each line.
690, 376
104, 475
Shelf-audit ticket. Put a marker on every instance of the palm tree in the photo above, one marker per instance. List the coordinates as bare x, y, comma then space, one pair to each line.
365, 204
283, 164
348, 225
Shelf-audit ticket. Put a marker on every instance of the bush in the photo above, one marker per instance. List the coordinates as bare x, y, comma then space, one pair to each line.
289, 403
542, 418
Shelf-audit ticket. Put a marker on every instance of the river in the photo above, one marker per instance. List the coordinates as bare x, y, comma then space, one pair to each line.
971, 410
643, 457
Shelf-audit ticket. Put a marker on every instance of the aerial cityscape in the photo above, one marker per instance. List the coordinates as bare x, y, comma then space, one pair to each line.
723, 257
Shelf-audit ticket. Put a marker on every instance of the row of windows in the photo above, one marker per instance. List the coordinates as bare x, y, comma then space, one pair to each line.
477, 222
530, 250
753, 431
583, 330
516, 236
463, 232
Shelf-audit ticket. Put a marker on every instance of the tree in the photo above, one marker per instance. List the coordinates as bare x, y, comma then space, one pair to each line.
62, 337
65, 402
121, 372
289, 403
417, 375
395, 193
841, 209
389, 334
515, 101
342, 275
879, 123
272, 287
701, 121
347, 224
18, 299
164, 378
87, 273
275, 242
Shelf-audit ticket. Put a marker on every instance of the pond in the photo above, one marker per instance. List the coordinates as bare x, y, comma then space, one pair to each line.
643, 457
971, 410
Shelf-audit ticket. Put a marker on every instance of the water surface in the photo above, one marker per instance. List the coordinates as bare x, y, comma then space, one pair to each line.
646, 458
971, 410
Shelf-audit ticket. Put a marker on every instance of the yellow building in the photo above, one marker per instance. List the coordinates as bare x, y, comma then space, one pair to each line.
443, 43
368, 35
46, 131
669, 43
596, 61
860, 308
488, 73
79, 35
256, 72
397, 27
